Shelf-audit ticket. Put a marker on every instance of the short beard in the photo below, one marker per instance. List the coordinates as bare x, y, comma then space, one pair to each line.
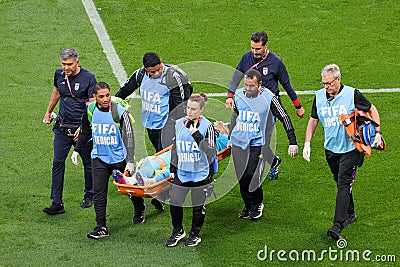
156, 76
251, 94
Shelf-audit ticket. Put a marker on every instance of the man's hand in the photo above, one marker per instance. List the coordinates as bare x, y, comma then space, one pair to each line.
130, 167
293, 150
229, 103
300, 112
377, 141
307, 151
76, 134
74, 158
49, 117
46, 119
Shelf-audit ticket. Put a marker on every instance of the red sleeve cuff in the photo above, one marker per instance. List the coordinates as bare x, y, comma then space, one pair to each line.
230, 95
296, 102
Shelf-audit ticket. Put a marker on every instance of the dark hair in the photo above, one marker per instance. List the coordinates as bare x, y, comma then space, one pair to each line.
151, 59
200, 98
253, 73
101, 85
259, 37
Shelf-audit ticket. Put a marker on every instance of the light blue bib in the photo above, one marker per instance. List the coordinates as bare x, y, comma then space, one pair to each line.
336, 138
252, 119
107, 140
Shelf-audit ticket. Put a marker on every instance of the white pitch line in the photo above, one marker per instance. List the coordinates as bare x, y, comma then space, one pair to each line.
382, 90
105, 41
119, 70
366, 91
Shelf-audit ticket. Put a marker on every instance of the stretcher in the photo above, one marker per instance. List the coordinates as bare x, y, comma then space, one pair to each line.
150, 191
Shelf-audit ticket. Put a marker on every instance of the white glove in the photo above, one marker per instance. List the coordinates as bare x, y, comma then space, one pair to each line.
377, 141
293, 150
229, 143
229, 103
74, 158
307, 151
130, 166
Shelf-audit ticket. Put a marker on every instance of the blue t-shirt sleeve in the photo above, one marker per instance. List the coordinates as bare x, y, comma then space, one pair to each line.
163, 175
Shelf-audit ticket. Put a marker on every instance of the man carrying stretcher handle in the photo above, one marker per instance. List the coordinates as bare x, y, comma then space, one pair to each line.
113, 148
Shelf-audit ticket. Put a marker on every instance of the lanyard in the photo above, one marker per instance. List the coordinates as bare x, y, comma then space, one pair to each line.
69, 86
264, 58
70, 90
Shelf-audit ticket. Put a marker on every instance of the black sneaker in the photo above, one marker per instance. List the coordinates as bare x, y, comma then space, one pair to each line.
175, 237
98, 232
352, 218
192, 240
158, 205
54, 209
335, 232
86, 203
256, 212
274, 171
244, 213
138, 215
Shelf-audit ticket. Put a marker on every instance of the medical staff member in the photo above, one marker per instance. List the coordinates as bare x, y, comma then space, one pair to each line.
162, 88
341, 154
113, 148
251, 129
193, 162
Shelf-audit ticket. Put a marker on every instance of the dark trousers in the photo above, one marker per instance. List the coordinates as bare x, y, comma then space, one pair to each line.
101, 175
155, 138
249, 169
62, 146
164, 137
343, 167
283, 110
178, 194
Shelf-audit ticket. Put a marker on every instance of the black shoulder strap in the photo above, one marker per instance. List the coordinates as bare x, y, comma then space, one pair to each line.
114, 111
140, 76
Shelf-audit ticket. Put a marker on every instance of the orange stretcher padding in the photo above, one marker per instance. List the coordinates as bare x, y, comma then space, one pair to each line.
350, 124
153, 190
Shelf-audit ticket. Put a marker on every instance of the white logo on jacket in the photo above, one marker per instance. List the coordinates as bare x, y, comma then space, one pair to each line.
330, 115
